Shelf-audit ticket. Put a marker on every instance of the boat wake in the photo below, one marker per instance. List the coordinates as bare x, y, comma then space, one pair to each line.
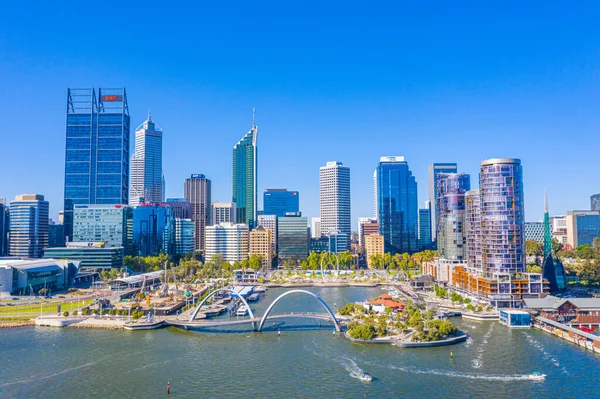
547, 355
477, 363
489, 377
355, 371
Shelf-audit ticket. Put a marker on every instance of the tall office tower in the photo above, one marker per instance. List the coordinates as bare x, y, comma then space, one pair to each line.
315, 227
397, 205
281, 202
198, 192
28, 232
434, 170
270, 222
181, 208
366, 226
245, 177
97, 150
153, 230
337, 242
595, 202
184, 236
146, 165
56, 235
260, 243
335, 199
4, 226
292, 238
450, 194
502, 216
222, 212
229, 240
111, 224
473, 229
424, 239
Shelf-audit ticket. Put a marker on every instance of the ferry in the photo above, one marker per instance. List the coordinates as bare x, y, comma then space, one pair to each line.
253, 297
242, 311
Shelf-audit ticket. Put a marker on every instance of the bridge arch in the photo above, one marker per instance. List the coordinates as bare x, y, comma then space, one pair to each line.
264, 318
231, 292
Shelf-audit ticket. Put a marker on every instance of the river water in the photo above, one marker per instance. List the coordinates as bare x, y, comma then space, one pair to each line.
306, 361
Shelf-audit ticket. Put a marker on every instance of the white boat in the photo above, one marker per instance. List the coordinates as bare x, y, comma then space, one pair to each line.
366, 377
253, 297
537, 376
260, 289
242, 311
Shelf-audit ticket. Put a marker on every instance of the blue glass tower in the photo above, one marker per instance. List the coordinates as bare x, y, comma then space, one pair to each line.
245, 177
396, 205
97, 150
153, 230
281, 202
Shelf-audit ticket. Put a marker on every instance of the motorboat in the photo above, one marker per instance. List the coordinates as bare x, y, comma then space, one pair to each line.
366, 377
253, 297
242, 311
537, 376
260, 289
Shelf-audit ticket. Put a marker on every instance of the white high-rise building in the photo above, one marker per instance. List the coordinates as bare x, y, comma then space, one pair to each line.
315, 227
147, 181
229, 240
335, 198
222, 212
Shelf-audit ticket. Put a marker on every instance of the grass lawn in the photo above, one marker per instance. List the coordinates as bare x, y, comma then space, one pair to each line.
48, 308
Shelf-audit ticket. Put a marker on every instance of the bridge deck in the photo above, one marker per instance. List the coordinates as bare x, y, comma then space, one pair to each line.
205, 324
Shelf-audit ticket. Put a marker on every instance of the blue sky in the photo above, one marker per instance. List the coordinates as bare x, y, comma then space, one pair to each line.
346, 81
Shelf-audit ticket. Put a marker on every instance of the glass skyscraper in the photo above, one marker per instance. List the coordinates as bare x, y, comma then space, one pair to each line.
28, 226
396, 205
451, 233
281, 202
153, 230
434, 170
292, 238
424, 241
595, 202
197, 191
146, 165
110, 224
97, 150
245, 178
4, 226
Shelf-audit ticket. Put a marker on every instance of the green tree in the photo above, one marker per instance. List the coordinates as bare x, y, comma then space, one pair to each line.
533, 248
362, 331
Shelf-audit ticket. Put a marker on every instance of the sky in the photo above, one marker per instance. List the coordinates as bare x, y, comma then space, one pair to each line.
345, 81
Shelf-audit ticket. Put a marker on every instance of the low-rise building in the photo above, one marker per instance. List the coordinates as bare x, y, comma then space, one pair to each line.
565, 310
29, 276
260, 244
91, 255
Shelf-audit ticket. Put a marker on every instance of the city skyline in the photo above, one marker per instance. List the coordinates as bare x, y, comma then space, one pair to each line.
518, 100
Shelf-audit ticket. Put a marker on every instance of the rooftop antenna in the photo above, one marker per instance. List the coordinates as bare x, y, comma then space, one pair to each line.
148, 113
545, 202
253, 119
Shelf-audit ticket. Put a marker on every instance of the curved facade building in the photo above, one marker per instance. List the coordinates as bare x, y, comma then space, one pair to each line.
450, 206
473, 228
502, 216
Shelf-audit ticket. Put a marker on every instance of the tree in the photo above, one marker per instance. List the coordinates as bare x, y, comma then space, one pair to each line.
533, 248
363, 331
585, 252
387, 260
313, 261
534, 269
556, 245
255, 261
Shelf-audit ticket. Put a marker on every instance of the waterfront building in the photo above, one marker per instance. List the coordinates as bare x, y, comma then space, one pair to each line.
180, 207
338, 242
319, 245
153, 229
582, 227
147, 180
534, 231
397, 205
334, 196
260, 243
502, 216
595, 202
450, 195
245, 177
473, 230
229, 240
97, 150
315, 227
28, 231
374, 245
184, 236
223, 212
4, 227
56, 235
366, 226
434, 170
281, 202
292, 238
91, 255
29, 276
584, 311
424, 238
198, 192
110, 224
270, 222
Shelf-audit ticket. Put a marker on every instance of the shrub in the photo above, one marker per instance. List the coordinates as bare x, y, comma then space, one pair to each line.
489, 308
66, 314
112, 312
363, 331
471, 307
479, 308
75, 313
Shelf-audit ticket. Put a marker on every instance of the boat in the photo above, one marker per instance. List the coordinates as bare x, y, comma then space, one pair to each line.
242, 311
366, 377
253, 297
260, 289
214, 310
147, 323
537, 376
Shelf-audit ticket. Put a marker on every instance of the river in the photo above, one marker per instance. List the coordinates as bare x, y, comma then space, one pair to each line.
306, 361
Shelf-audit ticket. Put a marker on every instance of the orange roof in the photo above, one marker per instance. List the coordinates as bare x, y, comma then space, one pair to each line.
388, 303
385, 296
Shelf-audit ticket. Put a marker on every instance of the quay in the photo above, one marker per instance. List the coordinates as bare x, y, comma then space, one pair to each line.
585, 340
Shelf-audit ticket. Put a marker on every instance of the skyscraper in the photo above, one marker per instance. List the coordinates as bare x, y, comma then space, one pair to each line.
198, 192
335, 199
146, 165
97, 150
292, 238
4, 226
315, 227
473, 229
28, 226
502, 216
245, 177
182, 209
153, 230
424, 240
595, 202
434, 170
450, 194
111, 224
280, 202
222, 212
397, 205
229, 240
